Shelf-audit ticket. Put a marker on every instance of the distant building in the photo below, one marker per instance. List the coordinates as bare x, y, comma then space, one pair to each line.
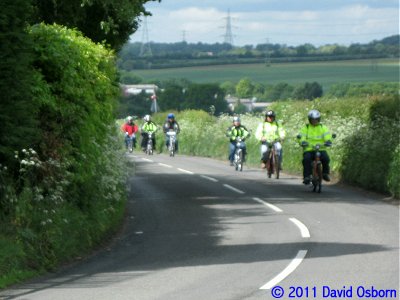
250, 104
135, 89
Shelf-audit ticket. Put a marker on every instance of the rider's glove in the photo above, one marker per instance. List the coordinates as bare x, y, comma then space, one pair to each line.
126, 133
328, 143
304, 144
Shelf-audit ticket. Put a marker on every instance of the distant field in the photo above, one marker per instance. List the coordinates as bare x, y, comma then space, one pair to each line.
326, 73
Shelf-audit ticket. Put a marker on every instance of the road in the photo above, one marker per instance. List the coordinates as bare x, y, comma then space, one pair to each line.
196, 229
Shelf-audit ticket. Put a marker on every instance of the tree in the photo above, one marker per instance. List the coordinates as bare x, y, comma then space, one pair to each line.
203, 96
308, 91
172, 97
244, 88
100, 20
134, 105
228, 87
17, 105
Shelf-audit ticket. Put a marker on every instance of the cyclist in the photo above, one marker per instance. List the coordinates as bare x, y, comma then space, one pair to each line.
171, 125
130, 129
310, 135
233, 132
148, 127
269, 133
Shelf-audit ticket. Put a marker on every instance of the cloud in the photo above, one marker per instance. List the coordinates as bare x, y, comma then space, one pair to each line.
345, 24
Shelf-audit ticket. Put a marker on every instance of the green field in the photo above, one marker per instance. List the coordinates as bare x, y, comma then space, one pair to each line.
325, 73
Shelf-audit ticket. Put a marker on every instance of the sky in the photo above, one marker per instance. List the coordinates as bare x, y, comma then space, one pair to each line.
289, 22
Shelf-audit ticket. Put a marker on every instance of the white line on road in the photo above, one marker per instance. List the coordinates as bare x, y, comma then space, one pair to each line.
233, 189
303, 229
146, 159
185, 171
209, 178
271, 206
289, 269
164, 165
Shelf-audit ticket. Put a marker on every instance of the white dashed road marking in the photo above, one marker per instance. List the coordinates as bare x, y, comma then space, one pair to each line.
271, 206
303, 229
233, 189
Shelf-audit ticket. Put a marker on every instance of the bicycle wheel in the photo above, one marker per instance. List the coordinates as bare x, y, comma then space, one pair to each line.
317, 177
171, 148
240, 161
276, 165
319, 173
130, 149
151, 149
270, 164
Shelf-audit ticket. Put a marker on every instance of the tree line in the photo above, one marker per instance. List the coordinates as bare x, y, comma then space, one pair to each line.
166, 55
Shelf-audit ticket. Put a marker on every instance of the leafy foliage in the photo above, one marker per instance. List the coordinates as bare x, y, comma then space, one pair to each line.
100, 20
74, 184
17, 106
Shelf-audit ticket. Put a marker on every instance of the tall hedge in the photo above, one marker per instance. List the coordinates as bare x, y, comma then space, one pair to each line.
17, 108
71, 182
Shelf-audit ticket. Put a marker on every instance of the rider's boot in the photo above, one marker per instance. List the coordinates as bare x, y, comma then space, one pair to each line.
326, 177
307, 180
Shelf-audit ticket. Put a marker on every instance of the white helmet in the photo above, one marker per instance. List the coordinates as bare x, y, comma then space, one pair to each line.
236, 119
147, 118
129, 118
314, 115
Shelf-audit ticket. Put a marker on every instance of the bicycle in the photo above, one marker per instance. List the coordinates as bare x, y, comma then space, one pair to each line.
238, 156
273, 163
172, 142
149, 147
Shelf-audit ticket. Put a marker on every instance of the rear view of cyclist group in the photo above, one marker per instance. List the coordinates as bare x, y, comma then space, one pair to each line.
270, 134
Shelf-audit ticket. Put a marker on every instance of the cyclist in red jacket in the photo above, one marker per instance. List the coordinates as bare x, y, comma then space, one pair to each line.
130, 129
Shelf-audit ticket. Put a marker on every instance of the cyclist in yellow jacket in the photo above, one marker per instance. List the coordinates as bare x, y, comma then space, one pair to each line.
234, 132
270, 133
148, 127
310, 135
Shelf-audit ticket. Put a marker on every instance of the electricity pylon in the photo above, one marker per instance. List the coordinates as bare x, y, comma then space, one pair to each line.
145, 49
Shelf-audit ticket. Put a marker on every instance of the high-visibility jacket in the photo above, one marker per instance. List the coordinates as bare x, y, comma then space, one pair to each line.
240, 131
313, 135
270, 131
149, 127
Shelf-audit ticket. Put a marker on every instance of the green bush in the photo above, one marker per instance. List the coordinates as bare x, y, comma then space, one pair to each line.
71, 183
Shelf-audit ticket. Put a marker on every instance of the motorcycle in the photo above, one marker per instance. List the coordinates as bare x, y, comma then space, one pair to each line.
238, 156
149, 146
172, 142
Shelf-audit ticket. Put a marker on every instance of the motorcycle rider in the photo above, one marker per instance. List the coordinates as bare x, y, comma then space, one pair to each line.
130, 129
171, 125
148, 127
233, 132
269, 133
310, 135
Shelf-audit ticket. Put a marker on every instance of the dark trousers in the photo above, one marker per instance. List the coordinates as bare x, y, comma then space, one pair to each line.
309, 156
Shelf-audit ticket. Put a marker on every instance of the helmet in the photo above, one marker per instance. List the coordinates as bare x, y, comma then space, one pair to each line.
129, 118
171, 116
270, 113
147, 118
314, 115
236, 119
